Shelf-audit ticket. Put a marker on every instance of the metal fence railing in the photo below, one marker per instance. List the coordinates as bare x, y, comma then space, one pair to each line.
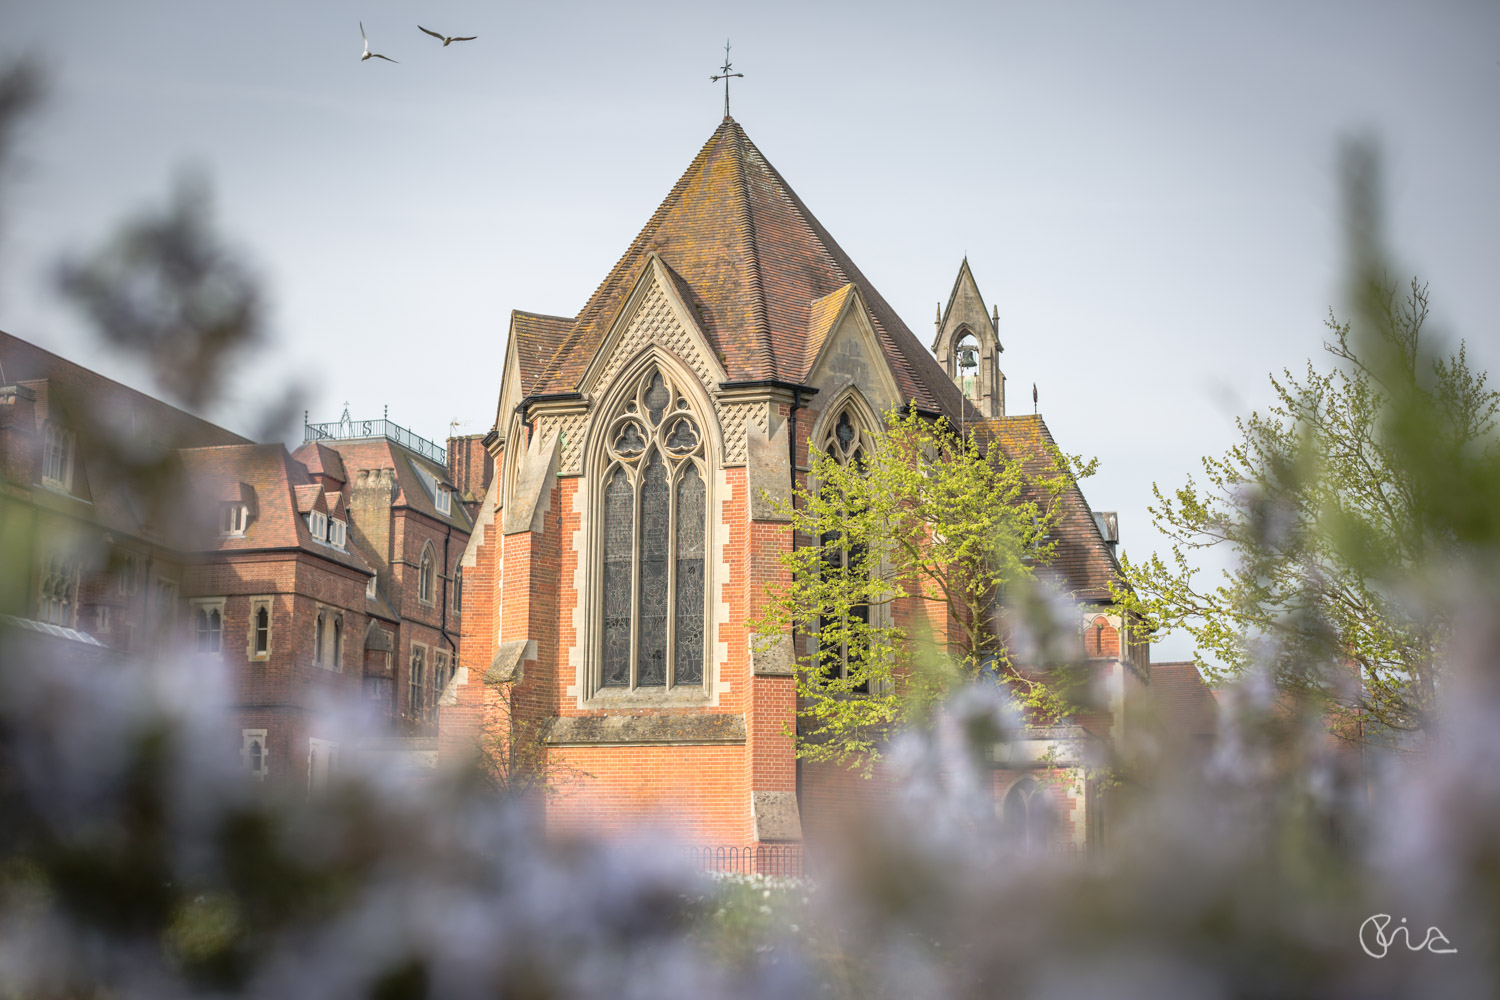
775, 860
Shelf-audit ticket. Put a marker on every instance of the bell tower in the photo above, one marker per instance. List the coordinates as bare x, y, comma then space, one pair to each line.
968, 345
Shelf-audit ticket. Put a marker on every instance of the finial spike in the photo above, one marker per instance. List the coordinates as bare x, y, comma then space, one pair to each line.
724, 75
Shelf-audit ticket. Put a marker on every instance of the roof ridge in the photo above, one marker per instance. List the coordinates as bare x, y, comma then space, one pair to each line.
746, 229
845, 268
25, 345
595, 300
540, 315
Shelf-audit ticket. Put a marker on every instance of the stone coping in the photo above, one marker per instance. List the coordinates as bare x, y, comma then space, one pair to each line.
661, 729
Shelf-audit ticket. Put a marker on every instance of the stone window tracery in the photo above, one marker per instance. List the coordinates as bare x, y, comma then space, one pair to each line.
208, 624
848, 443
1028, 815
654, 541
59, 590
426, 572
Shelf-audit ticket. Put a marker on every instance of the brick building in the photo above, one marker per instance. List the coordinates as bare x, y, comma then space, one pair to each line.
91, 531
323, 580
631, 526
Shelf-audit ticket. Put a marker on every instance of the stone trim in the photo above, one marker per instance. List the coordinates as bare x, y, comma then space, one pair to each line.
776, 816
505, 668
674, 729
535, 473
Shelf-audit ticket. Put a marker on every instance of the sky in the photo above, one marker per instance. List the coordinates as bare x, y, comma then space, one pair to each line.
1148, 192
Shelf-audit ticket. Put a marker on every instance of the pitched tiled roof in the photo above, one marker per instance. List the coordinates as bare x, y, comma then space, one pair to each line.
308, 496
755, 260
281, 486
537, 336
110, 400
319, 459
125, 477
1184, 704
1082, 558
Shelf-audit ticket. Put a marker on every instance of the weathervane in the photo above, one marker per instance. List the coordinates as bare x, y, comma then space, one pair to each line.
724, 75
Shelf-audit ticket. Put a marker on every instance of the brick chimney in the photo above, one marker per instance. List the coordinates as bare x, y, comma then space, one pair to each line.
370, 502
17, 434
470, 467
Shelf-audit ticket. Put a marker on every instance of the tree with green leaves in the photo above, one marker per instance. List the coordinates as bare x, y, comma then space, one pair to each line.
1333, 504
908, 542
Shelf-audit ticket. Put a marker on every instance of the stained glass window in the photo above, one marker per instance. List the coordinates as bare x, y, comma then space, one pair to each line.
841, 556
619, 557
687, 636
651, 621
655, 541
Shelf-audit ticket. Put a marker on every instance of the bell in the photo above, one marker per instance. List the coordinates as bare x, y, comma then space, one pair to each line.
966, 358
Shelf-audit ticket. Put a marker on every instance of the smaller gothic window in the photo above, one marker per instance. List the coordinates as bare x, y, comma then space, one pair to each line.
318, 629
57, 457
843, 557
262, 630
58, 599
426, 573
417, 684
210, 630
458, 590
254, 752
1028, 816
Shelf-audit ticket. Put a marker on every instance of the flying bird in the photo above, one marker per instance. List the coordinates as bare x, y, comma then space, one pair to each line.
448, 38
368, 54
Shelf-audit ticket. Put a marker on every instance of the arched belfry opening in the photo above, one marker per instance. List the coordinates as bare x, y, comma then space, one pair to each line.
968, 345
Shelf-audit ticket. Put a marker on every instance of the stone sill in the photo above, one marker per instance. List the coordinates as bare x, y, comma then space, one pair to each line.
666, 729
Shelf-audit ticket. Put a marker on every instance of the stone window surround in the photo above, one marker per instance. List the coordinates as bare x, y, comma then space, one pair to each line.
419, 654
328, 752
330, 638
589, 579
59, 454
206, 606
427, 575
247, 737
256, 603
863, 417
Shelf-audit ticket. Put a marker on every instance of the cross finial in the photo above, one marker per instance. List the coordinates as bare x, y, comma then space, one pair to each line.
724, 75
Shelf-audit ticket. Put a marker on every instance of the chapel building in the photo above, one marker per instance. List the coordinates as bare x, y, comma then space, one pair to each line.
643, 450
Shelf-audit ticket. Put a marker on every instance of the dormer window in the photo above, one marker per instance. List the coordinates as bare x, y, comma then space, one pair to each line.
336, 532
233, 519
444, 499
57, 458
370, 589
317, 524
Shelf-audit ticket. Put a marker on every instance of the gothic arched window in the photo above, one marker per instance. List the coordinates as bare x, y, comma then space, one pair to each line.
654, 541
262, 630
210, 629
847, 444
426, 573
59, 590
1028, 815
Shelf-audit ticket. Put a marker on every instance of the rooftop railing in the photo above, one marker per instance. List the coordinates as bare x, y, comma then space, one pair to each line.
346, 429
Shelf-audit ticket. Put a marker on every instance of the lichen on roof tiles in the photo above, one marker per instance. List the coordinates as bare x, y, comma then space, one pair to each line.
751, 257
